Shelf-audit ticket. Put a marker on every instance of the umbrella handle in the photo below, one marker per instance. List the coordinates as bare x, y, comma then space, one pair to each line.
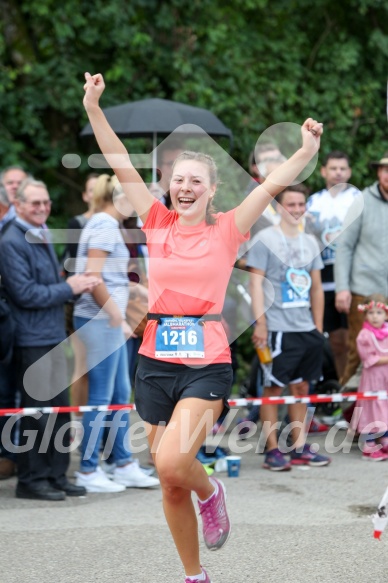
154, 157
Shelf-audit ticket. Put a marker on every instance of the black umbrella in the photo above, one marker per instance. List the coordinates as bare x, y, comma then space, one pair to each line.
153, 117
159, 116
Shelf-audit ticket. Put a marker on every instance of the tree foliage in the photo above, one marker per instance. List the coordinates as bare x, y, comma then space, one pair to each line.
254, 63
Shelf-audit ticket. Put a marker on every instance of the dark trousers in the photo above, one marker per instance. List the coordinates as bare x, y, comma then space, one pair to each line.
41, 376
8, 400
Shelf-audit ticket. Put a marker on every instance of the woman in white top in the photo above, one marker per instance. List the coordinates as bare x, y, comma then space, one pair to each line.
99, 321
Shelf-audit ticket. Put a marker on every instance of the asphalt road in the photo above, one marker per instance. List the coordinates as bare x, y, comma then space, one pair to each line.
304, 526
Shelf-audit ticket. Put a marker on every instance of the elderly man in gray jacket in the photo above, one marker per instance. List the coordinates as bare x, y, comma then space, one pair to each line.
361, 266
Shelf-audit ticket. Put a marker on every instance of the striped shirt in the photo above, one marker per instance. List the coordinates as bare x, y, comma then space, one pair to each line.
102, 232
325, 215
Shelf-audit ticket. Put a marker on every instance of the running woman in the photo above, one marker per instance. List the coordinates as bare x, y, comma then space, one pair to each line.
184, 375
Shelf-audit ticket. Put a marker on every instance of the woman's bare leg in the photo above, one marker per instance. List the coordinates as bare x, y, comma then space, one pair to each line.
174, 449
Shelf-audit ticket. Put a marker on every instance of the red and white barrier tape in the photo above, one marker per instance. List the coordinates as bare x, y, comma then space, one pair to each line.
287, 400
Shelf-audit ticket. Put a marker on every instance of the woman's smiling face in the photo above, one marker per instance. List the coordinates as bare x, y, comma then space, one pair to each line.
191, 190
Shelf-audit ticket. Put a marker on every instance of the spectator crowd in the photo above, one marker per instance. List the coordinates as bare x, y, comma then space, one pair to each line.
324, 254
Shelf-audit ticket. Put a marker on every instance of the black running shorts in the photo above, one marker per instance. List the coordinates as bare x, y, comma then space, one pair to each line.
159, 385
297, 356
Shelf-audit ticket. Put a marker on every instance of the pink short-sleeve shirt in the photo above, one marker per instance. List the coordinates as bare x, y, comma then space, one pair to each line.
189, 270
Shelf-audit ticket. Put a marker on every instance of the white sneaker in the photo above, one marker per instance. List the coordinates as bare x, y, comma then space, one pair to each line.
131, 476
146, 470
110, 468
97, 482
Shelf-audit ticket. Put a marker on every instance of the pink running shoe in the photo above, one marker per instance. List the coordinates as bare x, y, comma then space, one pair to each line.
215, 520
206, 580
375, 456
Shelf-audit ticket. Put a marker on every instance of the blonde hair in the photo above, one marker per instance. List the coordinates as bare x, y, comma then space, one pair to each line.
213, 176
106, 190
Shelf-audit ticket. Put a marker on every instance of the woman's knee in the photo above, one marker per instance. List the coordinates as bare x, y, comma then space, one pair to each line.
171, 480
174, 494
171, 471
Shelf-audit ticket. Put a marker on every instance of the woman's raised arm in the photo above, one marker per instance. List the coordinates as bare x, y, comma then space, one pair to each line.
114, 150
257, 201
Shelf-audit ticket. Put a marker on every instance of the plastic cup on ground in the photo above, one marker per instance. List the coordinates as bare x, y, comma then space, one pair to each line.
234, 463
221, 465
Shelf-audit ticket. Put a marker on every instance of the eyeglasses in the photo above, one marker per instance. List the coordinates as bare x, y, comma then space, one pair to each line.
37, 203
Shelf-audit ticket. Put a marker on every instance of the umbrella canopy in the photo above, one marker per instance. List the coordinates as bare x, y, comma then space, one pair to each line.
160, 117
152, 117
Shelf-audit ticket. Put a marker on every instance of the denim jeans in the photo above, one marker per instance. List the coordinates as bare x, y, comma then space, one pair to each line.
133, 345
107, 364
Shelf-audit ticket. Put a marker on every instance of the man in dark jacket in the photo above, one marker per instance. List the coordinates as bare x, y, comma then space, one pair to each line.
30, 276
7, 395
